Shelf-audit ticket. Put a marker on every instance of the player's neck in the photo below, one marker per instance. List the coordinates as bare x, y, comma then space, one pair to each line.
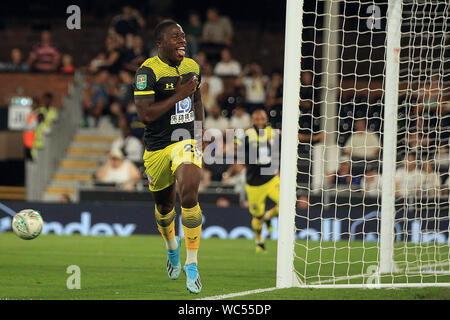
167, 61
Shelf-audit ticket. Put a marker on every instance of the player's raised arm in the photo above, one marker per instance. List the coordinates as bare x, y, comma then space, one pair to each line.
148, 110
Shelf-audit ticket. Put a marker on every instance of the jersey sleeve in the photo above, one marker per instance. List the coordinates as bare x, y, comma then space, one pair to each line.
144, 84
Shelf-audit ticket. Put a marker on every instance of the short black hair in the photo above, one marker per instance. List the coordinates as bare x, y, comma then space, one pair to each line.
161, 28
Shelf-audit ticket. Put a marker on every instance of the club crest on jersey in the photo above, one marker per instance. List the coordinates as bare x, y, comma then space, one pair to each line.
141, 81
183, 112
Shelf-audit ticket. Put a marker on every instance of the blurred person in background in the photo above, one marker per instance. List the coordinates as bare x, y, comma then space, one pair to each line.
240, 118
65, 198
67, 66
193, 30
130, 146
430, 181
44, 57
254, 83
114, 53
31, 123
408, 178
227, 66
119, 170
230, 98
17, 64
201, 60
214, 82
208, 99
98, 62
129, 21
217, 29
134, 53
363, 144
371, 183
96, 97
215, 119
275, 91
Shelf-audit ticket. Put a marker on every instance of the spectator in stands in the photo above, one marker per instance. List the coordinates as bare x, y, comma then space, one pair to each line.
235, 175
215, 120
114, 53
98, 62
431, 181
118, 170
215, 83
230, 98
362, 144
125, 89
408, 178
193, 30
442, 157
343, 176
422, 139
223, 202
44, 57
67, 64
217, 29
371, 183
129, 145
65, 198
134, 54
96, 98
227, 66
129, 21
254, 84
208, 99
16, 64
430, 97
202, 60
240, 118
275, 91
136, 125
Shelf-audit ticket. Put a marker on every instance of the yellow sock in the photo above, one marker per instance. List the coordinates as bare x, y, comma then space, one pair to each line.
191, 219
166, 226
257, 228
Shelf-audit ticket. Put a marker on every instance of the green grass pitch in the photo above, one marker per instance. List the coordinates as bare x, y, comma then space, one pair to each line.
134, 268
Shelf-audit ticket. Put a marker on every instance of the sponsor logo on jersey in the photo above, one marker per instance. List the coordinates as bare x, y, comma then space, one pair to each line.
183, 112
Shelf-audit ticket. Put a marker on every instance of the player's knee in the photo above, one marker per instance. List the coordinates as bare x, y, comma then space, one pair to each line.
165, 208
188, 195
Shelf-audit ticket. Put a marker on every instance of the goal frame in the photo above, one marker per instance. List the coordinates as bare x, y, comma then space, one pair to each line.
286, 276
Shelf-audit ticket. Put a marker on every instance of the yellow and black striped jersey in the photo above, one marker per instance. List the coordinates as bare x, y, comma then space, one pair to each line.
158, 79
258, 150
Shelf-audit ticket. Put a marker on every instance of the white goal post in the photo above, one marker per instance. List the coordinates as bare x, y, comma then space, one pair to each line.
364, 201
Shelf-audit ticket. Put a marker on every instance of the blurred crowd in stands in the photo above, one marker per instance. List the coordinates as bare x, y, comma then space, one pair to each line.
231, 91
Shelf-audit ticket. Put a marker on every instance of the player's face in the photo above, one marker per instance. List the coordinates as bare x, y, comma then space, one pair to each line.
174, 44
259, 119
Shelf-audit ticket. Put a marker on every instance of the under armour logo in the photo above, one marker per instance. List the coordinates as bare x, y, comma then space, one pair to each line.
192, 239
169, 86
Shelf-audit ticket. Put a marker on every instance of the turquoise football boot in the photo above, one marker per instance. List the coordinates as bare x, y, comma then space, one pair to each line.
173, 261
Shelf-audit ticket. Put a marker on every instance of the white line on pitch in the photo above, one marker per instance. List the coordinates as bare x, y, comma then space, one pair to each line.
237, 294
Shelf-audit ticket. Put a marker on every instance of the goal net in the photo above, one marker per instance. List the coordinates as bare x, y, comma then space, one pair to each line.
370, 203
